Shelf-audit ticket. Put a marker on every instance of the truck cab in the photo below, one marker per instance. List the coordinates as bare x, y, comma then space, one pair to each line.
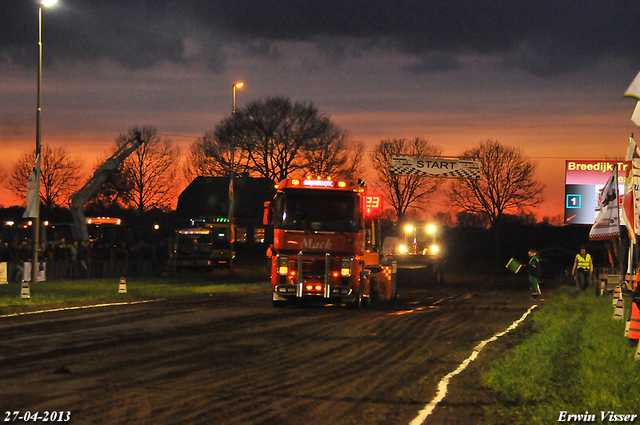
319, 242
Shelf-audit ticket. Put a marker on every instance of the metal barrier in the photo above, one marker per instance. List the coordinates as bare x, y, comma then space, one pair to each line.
607, 278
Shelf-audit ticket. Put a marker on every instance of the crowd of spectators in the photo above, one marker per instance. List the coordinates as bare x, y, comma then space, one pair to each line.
90, 258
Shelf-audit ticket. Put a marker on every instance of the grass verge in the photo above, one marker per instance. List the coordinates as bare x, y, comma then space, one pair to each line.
67, 293
572, 358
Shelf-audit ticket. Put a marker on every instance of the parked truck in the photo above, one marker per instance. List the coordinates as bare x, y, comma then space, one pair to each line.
219, 222
204, 245
325, 246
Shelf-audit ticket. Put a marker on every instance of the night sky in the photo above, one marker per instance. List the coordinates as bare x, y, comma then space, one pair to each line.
545, 76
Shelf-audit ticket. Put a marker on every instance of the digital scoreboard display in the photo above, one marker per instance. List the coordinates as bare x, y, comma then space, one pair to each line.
584, 182
372, 204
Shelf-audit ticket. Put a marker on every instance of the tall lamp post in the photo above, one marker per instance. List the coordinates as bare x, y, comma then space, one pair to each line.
36, 227
237, 85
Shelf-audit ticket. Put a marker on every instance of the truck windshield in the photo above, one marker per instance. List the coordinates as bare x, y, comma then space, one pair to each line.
316, 210
202, 244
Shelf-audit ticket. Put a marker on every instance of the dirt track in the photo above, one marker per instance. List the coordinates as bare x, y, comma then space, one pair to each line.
221, 360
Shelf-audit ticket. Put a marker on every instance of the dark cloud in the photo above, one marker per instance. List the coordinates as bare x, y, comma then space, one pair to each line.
543, 36
434, 63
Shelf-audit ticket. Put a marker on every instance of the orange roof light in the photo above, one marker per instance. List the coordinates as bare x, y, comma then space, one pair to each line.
318, 183
104, 220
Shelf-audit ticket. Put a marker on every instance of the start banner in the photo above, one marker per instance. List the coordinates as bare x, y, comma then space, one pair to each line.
436, 167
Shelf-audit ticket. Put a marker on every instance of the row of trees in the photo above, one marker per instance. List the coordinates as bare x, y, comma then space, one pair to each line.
146, 180
272, 138
276, 138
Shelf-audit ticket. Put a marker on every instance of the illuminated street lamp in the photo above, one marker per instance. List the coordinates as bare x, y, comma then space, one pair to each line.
36, 228
237, 85
432, 229
232, 236
414, 245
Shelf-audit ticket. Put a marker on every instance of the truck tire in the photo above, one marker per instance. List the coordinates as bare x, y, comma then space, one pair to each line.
279, 304
357, 304
440, 274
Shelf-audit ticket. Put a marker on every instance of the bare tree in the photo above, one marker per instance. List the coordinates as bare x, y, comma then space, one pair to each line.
60, 175
507, 186
151, 171
215, 157
334, 155
404, 191
443, 218
274, 134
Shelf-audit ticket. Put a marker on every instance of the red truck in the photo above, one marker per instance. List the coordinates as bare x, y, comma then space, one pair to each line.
324, 242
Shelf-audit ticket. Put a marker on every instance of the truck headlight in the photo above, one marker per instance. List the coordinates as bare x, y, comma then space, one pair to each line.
346, 266
283, 266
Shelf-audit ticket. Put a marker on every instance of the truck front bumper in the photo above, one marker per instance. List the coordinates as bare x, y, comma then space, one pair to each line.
317, 291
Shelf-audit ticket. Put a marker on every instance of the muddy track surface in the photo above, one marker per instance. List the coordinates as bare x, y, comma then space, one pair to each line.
237, 360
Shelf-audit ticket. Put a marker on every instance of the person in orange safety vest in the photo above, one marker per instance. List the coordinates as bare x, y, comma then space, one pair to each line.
634, 325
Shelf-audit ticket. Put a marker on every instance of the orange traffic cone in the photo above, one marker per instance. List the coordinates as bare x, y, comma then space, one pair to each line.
26, 292
123, 286
618, 313
627, 324
617, 293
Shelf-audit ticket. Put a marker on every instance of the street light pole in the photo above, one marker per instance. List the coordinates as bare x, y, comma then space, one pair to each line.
237, 85
232, 236
36, 227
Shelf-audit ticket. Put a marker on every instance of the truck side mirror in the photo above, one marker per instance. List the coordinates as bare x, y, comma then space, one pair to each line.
267, 217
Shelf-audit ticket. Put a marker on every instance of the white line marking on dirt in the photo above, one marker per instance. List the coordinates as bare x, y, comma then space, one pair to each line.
79, 307
442, 386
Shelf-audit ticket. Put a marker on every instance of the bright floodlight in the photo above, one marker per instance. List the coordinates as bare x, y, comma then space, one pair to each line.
48, 3
238, 85
431, 228
409, 228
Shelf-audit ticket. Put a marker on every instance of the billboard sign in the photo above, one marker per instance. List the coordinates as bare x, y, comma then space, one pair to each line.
584, 183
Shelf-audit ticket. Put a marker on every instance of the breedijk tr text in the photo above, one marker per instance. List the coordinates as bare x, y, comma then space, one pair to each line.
605, 416
605, 167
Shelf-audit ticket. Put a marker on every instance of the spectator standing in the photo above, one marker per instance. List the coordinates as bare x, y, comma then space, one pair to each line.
535, 272
582, 268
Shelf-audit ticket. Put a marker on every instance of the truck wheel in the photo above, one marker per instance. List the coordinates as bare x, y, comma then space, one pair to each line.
279, 304
440, 273
357, 304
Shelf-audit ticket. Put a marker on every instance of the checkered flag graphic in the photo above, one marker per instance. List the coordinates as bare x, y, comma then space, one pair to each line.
413, 166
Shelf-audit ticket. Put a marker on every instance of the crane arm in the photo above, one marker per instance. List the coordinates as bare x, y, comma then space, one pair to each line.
78, 199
